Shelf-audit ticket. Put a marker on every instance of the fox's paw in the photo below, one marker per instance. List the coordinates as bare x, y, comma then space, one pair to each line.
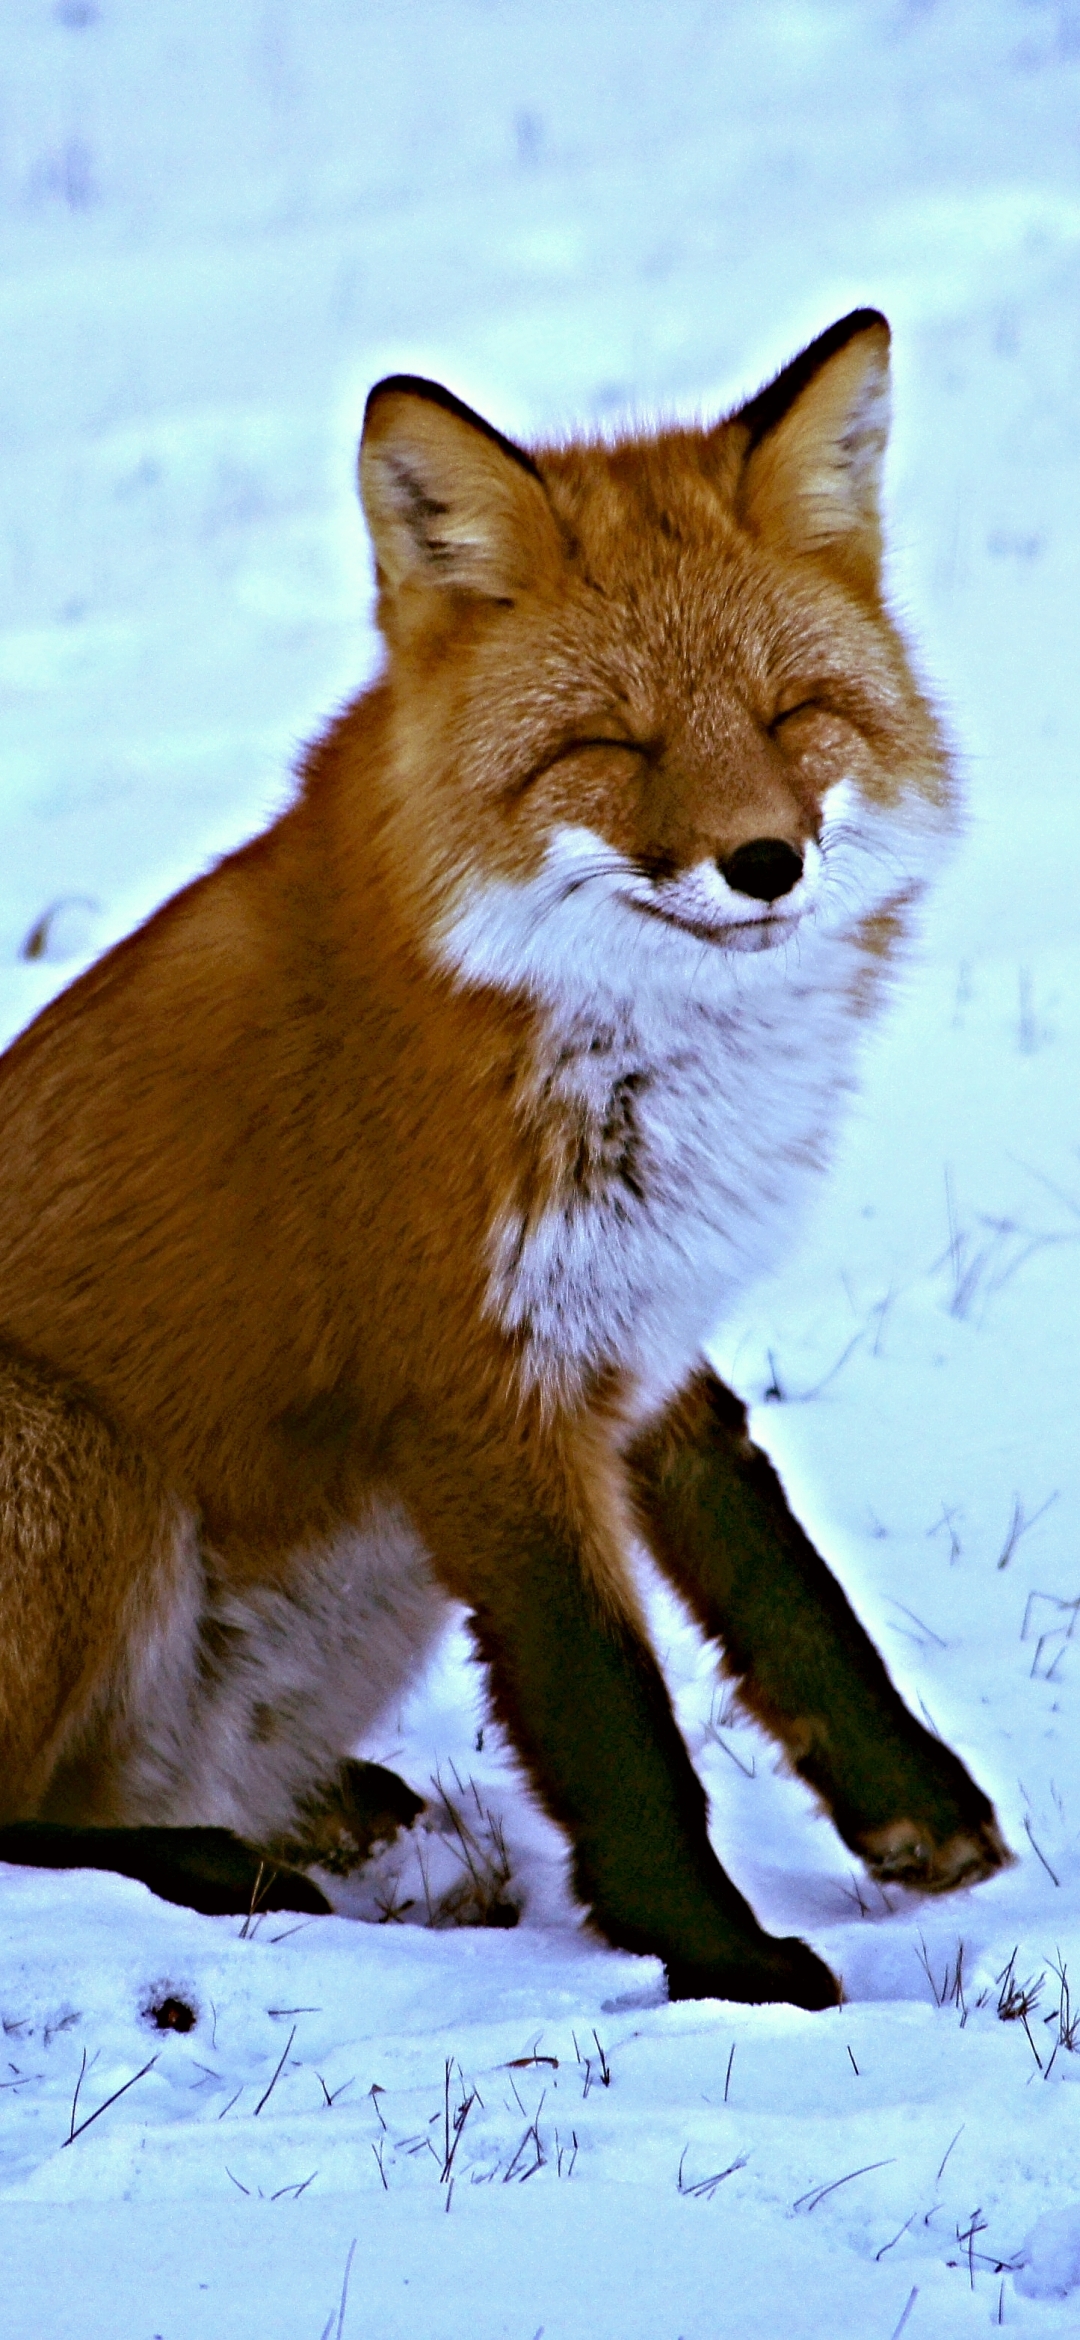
771, 1971
360, 1809
906, 1854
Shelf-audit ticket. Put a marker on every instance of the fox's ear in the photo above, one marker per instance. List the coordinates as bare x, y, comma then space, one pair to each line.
448, 500
811, 466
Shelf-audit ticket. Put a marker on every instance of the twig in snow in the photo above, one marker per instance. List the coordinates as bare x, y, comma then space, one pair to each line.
329, 2330
533, 2132
749, 1770
1019, 1525
703, 2189
967, 2240
1030, 2041
926, 1630
948, 2150
880, 1310
1040, 1855
854, 1893
893, 2239
75, 2098
727, 2075
805, 1397
816, 2194
1068, 2022
268, 2092
262, 1880
117, 2092
456, 2123
1016, 1999
332, 2094
950, 1513
911, 2299
951, 1988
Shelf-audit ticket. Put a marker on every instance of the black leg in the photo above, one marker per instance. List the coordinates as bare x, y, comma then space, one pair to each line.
201, 1868
714, 1513
583, 1699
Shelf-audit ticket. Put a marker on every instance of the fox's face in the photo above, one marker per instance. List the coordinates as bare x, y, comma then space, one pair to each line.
651, 706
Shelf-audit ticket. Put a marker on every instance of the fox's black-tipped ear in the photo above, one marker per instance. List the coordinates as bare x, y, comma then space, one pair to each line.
448, 500
815, 443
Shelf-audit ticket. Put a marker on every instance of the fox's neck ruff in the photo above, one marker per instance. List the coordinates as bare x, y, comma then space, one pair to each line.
680, 1091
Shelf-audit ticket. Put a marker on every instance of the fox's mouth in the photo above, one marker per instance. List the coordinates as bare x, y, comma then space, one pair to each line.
736, 934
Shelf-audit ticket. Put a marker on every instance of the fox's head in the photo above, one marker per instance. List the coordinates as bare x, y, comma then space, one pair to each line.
646, 698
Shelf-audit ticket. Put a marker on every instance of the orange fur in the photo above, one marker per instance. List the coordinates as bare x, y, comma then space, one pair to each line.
254, 1158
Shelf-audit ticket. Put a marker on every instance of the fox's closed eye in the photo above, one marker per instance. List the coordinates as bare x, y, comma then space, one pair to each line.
565, 754
801, 707
578, 747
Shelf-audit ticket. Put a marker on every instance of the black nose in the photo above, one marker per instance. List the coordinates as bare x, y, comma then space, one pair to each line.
764, 869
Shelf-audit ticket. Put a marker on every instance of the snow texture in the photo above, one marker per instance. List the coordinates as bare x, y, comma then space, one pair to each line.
1050, 2259
217, 227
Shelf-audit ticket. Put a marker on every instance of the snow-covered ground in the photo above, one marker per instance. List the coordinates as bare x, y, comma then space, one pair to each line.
217, 226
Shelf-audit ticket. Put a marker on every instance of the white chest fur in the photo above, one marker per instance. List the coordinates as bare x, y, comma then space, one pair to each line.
682, 1094
689, 1167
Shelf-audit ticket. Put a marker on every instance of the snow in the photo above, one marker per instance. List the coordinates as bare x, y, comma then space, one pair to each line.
217, 227
1050, 2260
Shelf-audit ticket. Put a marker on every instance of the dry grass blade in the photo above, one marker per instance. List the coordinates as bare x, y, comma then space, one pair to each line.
262, 1879
1019, 1525
1039, 1854
950, 1990
101, 2108
815, 2194
895, 2238
268, 2092
453, 2124
1017, 2000
703, 2189
532, 2135
75, 2098
923, 1635
776, 1395
333, 2328
295, 2190
949, 2148
911, 2299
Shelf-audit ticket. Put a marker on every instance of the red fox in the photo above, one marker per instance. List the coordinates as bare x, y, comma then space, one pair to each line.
363, 1216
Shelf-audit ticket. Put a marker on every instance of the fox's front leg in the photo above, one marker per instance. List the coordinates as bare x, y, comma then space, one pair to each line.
575, 1684
714, 1514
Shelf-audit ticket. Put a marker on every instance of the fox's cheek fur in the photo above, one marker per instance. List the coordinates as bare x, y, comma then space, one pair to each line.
695, 1083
